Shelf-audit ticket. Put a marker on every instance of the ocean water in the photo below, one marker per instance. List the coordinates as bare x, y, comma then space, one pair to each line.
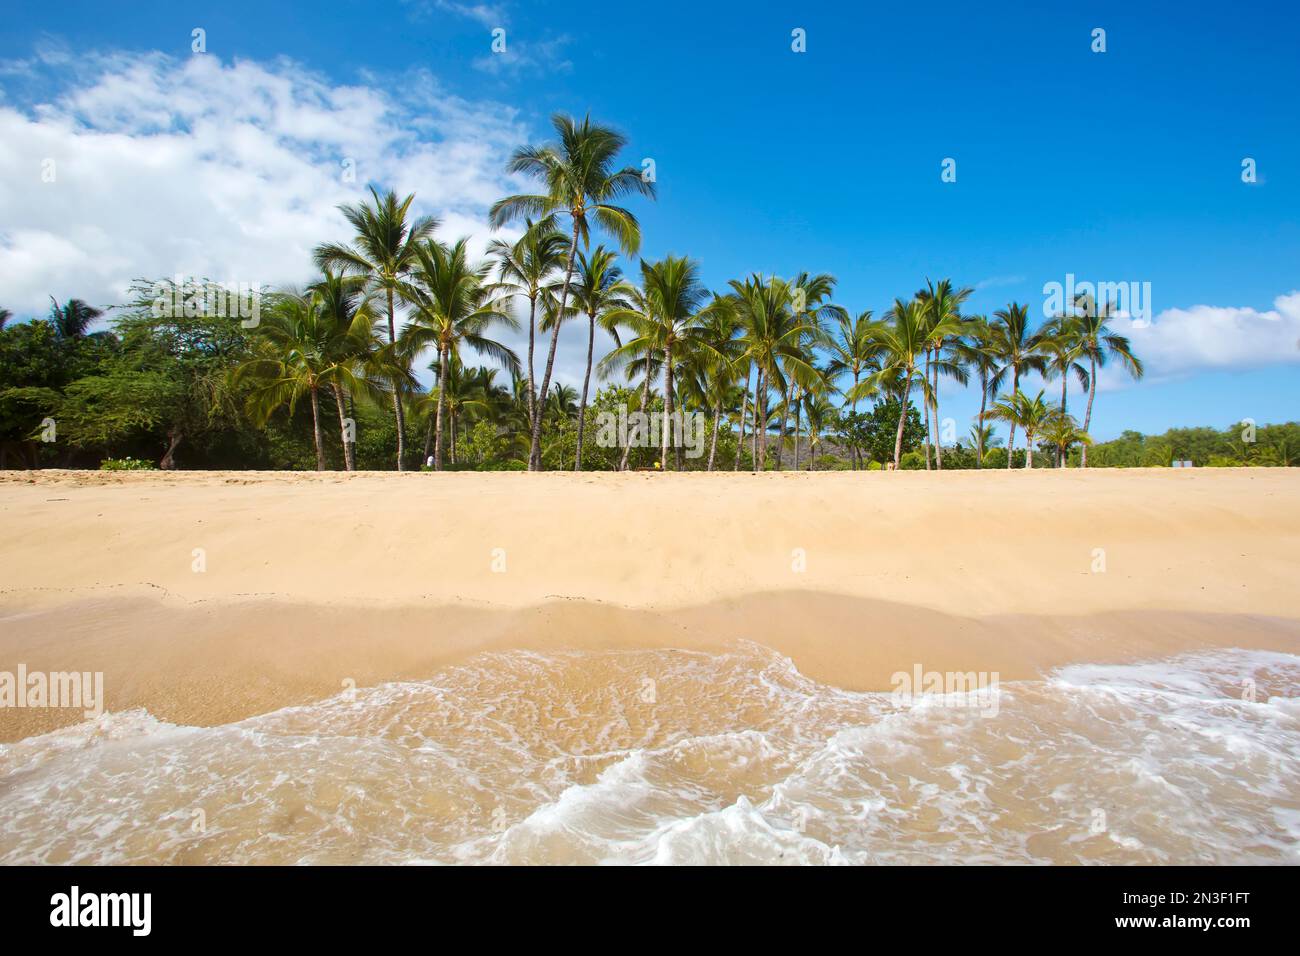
627, 757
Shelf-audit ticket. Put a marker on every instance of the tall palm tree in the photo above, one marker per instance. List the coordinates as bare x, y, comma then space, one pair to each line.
1019, 351
581, 182
1100, 344
905, 337
642, 362
855, 351
453, 304
382, 250
942, 305
1031, 414
810, 304
774, 341
711, 373
982, 439
822, 414
977, 349
306, 347
1062, 346
674, 295
528, 267
598, 292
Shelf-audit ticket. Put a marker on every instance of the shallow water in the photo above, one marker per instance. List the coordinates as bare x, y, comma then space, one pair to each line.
687, 757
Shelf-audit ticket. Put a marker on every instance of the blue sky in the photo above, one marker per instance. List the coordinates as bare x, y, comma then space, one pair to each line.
1115, 166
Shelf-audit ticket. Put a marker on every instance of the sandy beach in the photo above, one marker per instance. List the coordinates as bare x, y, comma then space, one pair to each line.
311, 580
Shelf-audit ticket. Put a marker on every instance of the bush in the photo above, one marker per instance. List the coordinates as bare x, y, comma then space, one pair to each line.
127, 464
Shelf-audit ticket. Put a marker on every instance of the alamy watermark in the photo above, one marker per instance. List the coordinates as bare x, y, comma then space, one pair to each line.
1069, 298
83, 690
622, 429
185, 297
975, 690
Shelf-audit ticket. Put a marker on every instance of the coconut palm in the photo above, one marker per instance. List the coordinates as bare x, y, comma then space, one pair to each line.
581, 182
1099, 345
598, 292
809, 303
977, 349
710, 374
307, 346
673, 297
382, 250
1019, 351
1062, 346
982, 439
774, 342
1031, 414
528, 267
73, 319
1061, 431
942, 305
452, 304
855, 350
640, 362
904, 338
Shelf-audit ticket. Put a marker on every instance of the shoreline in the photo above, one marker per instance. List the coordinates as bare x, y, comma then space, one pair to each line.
963, 571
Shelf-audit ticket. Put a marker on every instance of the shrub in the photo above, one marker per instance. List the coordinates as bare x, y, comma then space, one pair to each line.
127, 464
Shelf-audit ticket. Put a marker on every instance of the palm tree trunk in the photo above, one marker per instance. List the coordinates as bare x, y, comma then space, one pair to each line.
532, 382
854, 453
1015, 387
713, 444
984, 394
668, 403
934, 394
586, 381
1087, 416
535, 443
645, 405
442, 401
798, 424
1029, 450
398, 411
349, 455
785, 417
925, 400
762, 421
753, 439
168, 462
316, 432
902, 417
744, 402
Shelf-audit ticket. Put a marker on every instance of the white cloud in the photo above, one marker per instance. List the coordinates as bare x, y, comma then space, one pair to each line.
1181, 342
229, 170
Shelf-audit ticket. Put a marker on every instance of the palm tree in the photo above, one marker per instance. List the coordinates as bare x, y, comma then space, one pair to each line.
982, 439
1031, 414
72, 321
383, 251
855, 350
641, 362
452, 304
709, 375
822, 414
905, 340
977, 349
1100, 343
598, 292
809, 295
361, 355
942, 305
464, 392
527, 267
307, 346
1061, 431
774, 342
674, 296
1062, 343
1018, 351
581, 182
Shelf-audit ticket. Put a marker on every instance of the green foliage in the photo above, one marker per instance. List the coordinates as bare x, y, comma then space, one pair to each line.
873, 433
127, 464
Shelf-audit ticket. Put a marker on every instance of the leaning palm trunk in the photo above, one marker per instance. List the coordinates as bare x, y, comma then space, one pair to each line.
713, 443
316, 432
902, 417
532, 329
398, 411
349, 453
586, 382
1087, 415
535, 440
442, 401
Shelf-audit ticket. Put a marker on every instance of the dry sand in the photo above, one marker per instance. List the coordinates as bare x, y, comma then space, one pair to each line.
315, 580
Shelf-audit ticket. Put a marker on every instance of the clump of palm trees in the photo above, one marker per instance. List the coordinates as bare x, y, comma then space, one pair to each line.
774, 363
